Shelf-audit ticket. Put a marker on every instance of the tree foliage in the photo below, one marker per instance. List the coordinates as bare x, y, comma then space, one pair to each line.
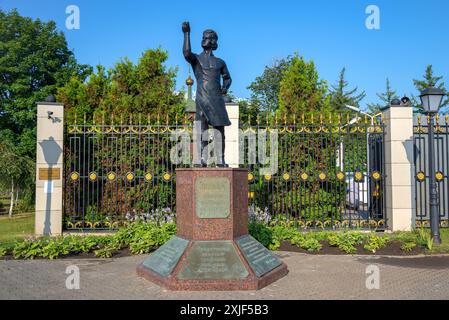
340, 95
265, 88
301, 90
384, 97
34, 62
126, 89
429, 80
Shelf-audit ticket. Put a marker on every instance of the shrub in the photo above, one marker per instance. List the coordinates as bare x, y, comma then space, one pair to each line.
408, 246
54, 248
311, 244
346, 241
3, 251
261, 233
375, 243
27, 249
105, 252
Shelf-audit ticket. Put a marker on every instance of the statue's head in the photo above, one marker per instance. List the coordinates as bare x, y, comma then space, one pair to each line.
210, 39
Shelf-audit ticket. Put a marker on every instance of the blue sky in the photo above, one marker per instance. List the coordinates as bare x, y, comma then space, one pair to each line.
253, 34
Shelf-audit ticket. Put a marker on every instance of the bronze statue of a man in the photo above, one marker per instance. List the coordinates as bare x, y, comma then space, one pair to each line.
210, 103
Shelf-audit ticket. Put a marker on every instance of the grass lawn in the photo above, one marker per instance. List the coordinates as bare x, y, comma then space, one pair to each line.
19, 226
444, 247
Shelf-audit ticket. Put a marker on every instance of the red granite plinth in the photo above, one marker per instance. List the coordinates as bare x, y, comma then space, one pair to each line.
198, 230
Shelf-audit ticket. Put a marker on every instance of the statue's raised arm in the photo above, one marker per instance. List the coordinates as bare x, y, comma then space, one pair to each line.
187, 49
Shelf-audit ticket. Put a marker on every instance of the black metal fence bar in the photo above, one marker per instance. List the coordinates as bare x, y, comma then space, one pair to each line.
441, 156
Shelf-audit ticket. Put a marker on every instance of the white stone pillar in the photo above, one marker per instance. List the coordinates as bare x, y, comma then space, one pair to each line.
399, 167
49, 168
232, 136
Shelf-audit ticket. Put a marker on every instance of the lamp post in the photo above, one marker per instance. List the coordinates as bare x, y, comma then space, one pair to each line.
431, 100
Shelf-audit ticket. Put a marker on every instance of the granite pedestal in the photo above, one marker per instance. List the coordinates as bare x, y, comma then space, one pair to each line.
212, 249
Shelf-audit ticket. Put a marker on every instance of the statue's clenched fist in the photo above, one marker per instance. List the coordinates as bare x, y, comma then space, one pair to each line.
185, 27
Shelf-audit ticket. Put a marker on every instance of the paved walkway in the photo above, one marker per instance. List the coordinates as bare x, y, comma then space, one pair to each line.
310, 277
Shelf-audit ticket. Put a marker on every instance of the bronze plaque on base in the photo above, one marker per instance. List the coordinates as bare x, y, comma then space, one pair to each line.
213, 199
259, 258
213, 260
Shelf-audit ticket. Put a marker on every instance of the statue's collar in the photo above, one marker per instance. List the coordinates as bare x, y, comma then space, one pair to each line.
205, 53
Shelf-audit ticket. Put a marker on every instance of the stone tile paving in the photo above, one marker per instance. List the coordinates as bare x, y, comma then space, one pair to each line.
310, 277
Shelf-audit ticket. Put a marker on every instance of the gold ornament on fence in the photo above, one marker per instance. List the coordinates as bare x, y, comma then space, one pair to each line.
322, 176
421, 176
376, 175
148, 177
93, 176
111, 176
340, 176
130, 176
74, 176
439, 176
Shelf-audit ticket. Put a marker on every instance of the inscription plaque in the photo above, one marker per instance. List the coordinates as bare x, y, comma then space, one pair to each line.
164, 260
49, 173
213, 260
212, 197
259, 258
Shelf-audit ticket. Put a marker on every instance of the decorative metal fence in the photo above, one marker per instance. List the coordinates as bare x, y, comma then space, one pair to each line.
441, 156
328, 173
117, 173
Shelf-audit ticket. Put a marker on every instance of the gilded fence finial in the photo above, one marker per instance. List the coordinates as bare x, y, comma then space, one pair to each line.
112, 119
75, 118
339, 118
321, 118
303, 120
166, 120
311, 118
131, 119
158, 118
85, 117
294, 119
148, 118
102, 118
446, 118
285, 119
347, 118
258, 119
